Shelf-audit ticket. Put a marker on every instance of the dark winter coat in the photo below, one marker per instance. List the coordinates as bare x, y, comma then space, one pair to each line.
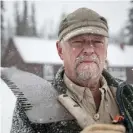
124, 97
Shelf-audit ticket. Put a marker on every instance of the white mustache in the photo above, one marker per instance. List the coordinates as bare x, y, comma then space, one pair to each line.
81, 59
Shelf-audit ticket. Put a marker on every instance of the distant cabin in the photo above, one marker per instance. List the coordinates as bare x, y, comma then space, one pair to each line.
40, 57
34, 55
120, 62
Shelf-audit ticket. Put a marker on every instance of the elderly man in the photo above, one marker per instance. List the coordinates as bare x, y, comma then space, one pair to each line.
102, 104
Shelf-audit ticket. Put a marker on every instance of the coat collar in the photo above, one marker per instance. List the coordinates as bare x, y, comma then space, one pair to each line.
60, 86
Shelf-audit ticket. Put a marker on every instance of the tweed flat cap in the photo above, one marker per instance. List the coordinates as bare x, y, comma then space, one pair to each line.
82, 21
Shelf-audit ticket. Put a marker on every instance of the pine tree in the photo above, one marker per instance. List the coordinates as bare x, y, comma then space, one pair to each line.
17, 19
33, 21
24, 23
130, 25
2, 22
10, 29
22, 27
3, 38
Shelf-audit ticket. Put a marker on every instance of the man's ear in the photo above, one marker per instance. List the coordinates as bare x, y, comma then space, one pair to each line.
59, 49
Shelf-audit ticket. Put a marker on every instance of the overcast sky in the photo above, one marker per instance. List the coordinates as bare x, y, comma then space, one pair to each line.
115, 11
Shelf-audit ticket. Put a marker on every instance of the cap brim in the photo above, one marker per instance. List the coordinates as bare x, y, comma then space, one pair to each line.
85, 30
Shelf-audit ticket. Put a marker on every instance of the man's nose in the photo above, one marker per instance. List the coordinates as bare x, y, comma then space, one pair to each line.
88, 49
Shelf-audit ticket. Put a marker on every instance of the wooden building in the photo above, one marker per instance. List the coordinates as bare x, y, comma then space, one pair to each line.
120, 62
34, 55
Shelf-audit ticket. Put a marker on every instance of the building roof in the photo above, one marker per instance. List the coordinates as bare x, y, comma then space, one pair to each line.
120, 57
36, 50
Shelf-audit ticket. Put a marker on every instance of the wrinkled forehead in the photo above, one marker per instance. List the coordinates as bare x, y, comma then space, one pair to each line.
86, 36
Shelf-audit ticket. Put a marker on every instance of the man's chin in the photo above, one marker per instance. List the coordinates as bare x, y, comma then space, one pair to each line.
88, 75
88, 63
87, 67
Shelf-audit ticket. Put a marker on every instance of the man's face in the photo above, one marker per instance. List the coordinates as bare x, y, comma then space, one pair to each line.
84, 56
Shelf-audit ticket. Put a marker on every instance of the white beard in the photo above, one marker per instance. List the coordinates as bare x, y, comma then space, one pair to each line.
87, 72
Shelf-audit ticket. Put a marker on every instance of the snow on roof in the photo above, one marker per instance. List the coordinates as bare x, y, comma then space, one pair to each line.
36, 50
118, 57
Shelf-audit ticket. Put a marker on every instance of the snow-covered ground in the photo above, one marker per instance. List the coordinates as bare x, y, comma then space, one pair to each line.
7, 104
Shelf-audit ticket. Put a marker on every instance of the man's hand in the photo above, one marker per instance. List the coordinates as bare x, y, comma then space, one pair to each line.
104, 128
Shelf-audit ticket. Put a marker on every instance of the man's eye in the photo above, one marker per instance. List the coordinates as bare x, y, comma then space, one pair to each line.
97, 41
78, 42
